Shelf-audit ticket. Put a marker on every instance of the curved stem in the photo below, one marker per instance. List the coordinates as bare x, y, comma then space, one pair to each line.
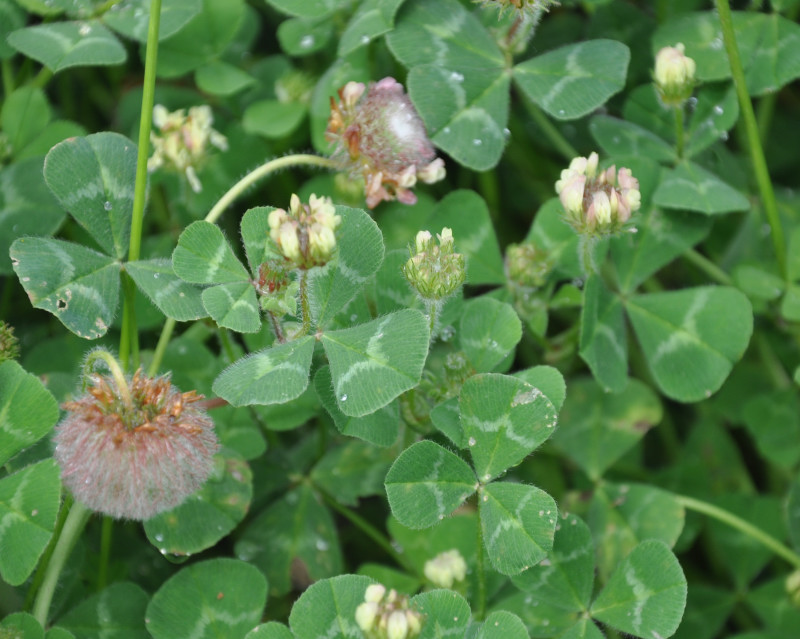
114, 368
741, 525
73, 526
161, 347
708, 267
751, 127
41, 570
550, 130
264, 170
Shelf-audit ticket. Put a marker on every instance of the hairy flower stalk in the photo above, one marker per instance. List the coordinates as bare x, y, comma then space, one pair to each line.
598, 203
182, 141
379, 136
134, 454
387, 615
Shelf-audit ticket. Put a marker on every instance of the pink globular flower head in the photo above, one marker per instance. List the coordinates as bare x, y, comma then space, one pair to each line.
598, 203
379, 136
133, 455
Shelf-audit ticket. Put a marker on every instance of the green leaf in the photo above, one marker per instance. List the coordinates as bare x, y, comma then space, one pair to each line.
328, 608
466, 213
25, 113
504, 419
202, 39
255, 229
356, 469
565, 580
76, 284
716, 112
12, 17
270, 376
548, 380
758, 282
574, 80
94, 178
793, 513
597, 428
773, 422
689, 350
117, 612
622, 515
661, 237
221, 78
21, 625
220, 505
692, 188
518, 523
372, 19
359, 255
503, 625
27, 207
272, 118
446, 420
306, 9
620, 137
233, 305
456, 80
373, 363
426, 483
489, 331
214, 598
293, 542
646, 594
270, 630
379, 428
29, 503
27, 410
61, 45
447, 614
132, 18
174, 297
300, 36
604, 343
203, 256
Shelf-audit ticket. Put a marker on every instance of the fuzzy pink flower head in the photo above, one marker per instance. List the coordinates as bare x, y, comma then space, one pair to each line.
598, 203
133, 462
379, 135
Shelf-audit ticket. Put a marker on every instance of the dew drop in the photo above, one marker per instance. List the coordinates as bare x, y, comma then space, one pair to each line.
34, 512
364, 39
306, 42
718, 109
107, 205
343, 398
716, 43
477, 141
159, 538
441, 517
155, 276
472, 441
561, 112
85, 30
455, 75
321, 545
353, 317
723, 136
446, 129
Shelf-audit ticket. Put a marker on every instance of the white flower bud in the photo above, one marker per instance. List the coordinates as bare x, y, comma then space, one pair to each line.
366, 614
397, 626
374, 593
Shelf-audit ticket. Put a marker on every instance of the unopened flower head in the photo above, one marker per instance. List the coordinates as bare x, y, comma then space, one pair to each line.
306, 234
598, 203
434, 269
379, 136
276, 289
527, 266
181, 141
9, 344
674, 75
522, 7
446, 568
133, 455
294, 87
387, 615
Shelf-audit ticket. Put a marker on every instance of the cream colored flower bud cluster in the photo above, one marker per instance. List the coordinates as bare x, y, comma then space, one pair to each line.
446, 568
181, 140
674, 75
386, 615
305, 235
435, 270
597, 203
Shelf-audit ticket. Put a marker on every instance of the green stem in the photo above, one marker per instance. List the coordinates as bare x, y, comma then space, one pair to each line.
708, 267
756, 150
434, 308
771, 362
264, 170
161, 347
550, 130
588, 266
114, 368
276, 327
48, 553
128, 337
42, 78
364, 526
679, 135
480, 570
106, 535
741, 525
8, 77
73, 526
305, 307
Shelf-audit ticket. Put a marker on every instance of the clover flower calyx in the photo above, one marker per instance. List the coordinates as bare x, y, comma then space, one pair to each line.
597, 203
305, 235
134, 455
674, 75
379, 136
181, 141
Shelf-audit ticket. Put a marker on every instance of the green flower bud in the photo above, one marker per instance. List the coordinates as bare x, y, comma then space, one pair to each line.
434, 270
9, 345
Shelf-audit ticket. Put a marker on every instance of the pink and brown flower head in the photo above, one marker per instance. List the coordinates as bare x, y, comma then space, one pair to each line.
379, 135
133, 455
597, 203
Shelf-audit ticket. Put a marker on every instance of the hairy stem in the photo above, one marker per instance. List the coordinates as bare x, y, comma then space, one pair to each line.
480, 569
751, 128
679, 134
741, 525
